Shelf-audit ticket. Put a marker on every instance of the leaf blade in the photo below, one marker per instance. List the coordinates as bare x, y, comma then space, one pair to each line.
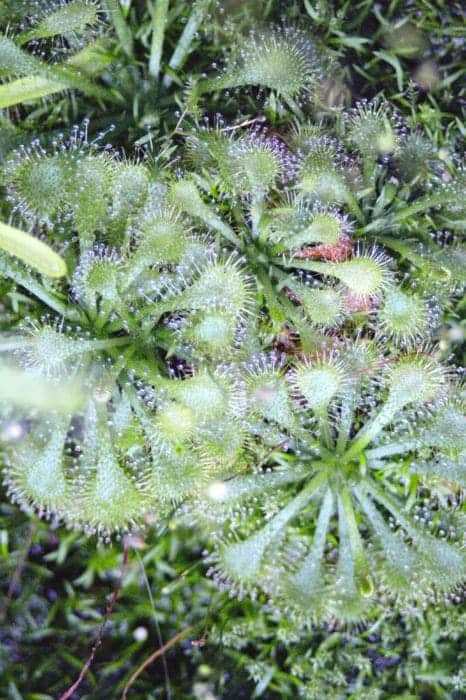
31, 251
31, 87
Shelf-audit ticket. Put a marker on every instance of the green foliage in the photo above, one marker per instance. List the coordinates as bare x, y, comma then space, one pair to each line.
241, 330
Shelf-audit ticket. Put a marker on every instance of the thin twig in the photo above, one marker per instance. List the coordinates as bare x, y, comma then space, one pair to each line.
68, 693
157, 626
18, 571
178, 123
271, 452
249, 122
159, 652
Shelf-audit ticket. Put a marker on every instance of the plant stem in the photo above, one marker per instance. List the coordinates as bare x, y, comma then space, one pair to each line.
370, 430
354, 207
256, 211
274, 305
275, 526
313, 265
247, 555
256, 484
12, 343
346, 420
307, 579
394, 448
365, 583
396, 510
70, 691
369, 173
159, 21
295, 108
159, 652
107, 343
324, 425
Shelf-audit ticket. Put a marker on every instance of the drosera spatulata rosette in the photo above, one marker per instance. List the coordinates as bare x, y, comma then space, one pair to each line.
331, 529
244, 318
284, 60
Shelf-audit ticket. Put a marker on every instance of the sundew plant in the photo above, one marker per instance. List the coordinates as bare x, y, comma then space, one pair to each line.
236, 326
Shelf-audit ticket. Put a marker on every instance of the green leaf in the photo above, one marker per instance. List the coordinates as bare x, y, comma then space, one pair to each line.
26, 391
263, 684
31, 87
32, 251
395, 64
353, 42
16, 62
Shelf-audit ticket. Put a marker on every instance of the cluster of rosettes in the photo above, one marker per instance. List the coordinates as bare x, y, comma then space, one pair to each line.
310, 217
305, 473
154, 384
319, 221
155, 247
138, 263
